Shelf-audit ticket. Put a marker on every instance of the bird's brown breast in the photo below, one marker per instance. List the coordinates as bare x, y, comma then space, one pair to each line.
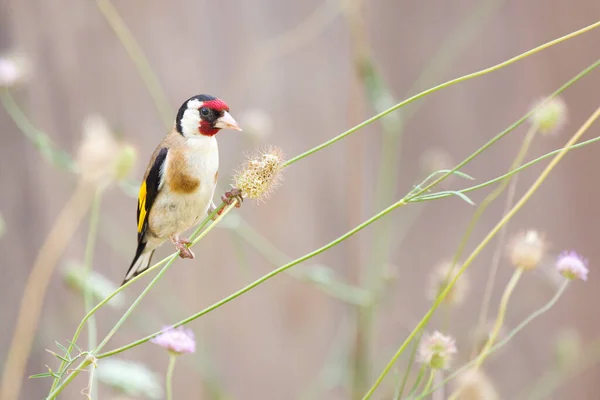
178, 180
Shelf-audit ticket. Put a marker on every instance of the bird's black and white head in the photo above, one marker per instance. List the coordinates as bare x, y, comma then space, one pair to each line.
204, 115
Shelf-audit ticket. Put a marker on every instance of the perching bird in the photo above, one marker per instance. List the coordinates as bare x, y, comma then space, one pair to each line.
180, 180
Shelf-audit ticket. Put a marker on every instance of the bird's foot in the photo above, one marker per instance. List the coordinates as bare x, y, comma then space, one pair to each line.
182, 246
234, 194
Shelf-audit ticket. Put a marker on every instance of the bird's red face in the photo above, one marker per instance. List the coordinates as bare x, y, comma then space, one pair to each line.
204, 115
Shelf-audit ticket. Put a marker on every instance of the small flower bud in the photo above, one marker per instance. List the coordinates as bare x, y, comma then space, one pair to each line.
176, 340
474, 384
125, 161
260, 175
441, 276
14, 70
572, 266
436, 350
526, 250
549, 115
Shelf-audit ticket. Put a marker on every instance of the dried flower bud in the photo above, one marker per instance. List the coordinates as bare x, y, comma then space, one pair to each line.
125, 162
102, 158
436, 350
441, 276
14, 70
131, 378
474, 384
257, 123
572, 266
549, 115
260, 175
176, 340
527, 249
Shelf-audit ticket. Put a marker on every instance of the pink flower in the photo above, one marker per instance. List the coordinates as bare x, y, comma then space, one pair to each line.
436, 350
572, 266
176, 340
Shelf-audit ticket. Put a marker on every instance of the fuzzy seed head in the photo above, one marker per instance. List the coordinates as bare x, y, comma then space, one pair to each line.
527, 249
102, 158
176, 340
436, 350
474, 384
261, 174
443, 274
572, 266
549, 115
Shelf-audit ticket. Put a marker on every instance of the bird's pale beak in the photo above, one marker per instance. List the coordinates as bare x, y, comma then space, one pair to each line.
227, 122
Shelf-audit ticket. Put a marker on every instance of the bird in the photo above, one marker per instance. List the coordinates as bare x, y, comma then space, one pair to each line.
180, 180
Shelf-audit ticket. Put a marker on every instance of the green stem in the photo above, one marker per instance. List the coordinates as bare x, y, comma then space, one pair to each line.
87, 293
441, 86
526, 197
156, 279
417, 382
169, 377
411, 360
261, 280
429, 380
135, 53
546, 307
485, 351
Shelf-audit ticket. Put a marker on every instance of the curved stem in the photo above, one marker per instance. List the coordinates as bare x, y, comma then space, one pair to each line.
169, 377
508, 337
429, 380
438, 87
260, 280
497, 325
534, 187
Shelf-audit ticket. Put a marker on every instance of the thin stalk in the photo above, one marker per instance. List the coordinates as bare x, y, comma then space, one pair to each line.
417, 382
135, 53
507, 217
411, 360
442, 86
429, 380
261, 280
537, 313
87, 265
123, 287
508, 291
169, 377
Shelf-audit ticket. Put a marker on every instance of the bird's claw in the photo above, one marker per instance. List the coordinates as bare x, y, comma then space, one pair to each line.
182, 246
231, 196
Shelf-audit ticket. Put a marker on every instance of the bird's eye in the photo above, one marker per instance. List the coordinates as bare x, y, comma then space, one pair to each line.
204, 111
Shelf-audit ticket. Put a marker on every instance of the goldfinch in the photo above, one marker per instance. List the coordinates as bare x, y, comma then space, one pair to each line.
180, 180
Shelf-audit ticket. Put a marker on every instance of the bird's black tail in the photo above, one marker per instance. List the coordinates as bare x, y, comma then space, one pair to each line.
140, 263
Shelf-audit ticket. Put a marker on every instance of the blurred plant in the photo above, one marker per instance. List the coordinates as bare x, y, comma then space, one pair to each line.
568, 347
435, 352
99, 286
2, 226
131, 378
15, 69
442, 274
474, 384
572, 266
527, 249
413, 195
177, 341
549, 115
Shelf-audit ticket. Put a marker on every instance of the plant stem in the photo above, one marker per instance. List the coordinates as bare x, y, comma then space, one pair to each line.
87, 293
30, 307
411, 360
429, 380
442, 86
534, 187
497, 325
136, 55
169, 377
509, 336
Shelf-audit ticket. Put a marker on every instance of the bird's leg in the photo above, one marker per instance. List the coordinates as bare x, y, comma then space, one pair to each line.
182, 246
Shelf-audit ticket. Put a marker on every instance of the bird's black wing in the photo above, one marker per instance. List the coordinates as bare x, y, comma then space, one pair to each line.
148, 193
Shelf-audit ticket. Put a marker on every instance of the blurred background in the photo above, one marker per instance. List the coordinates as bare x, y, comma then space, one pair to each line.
294, 75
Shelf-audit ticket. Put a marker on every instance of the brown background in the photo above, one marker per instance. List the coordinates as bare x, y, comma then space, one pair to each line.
273, 55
